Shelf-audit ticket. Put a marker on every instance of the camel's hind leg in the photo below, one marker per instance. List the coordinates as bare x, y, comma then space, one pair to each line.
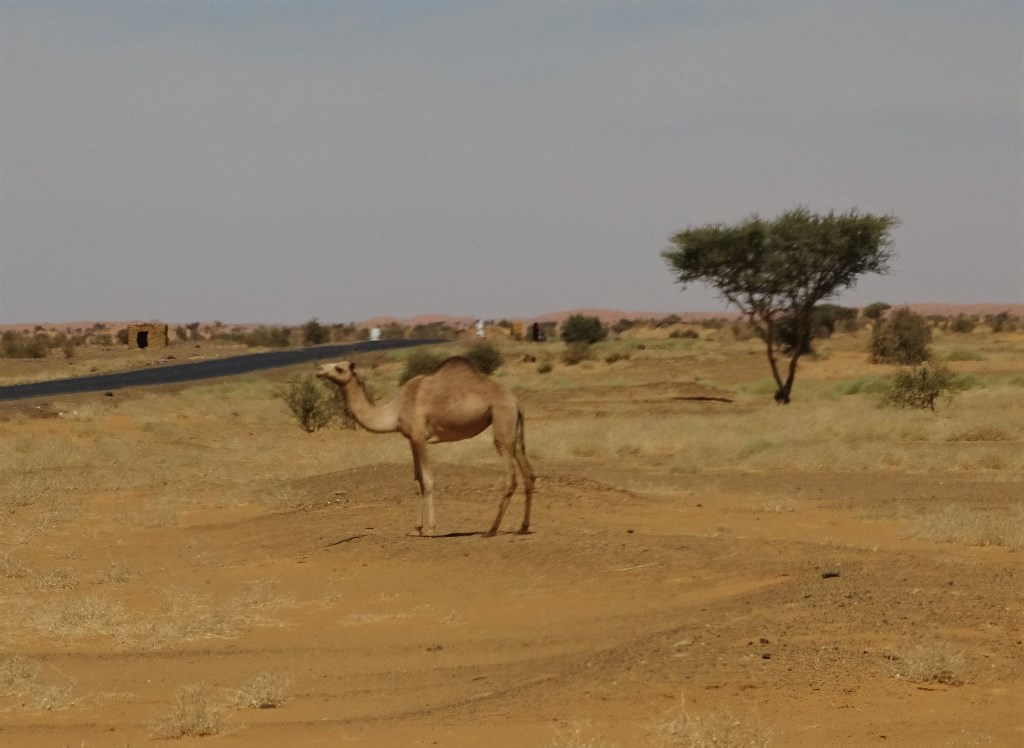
425, 479
505, 450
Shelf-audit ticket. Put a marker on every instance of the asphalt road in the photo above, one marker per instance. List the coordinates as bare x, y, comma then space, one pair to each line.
197, 370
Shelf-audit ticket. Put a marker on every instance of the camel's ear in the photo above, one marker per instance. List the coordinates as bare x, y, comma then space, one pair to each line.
352, 368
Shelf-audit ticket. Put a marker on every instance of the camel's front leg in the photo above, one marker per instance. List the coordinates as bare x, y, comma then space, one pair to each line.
425, 479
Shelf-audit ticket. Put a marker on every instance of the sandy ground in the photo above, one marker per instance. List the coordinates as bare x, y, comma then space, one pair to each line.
786, 598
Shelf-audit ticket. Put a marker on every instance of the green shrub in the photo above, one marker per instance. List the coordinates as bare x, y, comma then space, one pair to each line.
580, 328
576, 352
420, 362
689, 334
485, 356
313, 333
921, 386
901, 338
312, 404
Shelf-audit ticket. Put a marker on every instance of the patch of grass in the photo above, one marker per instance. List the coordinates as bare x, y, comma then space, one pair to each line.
1017, 380
870, 385
682, 729
967, 381
986, 433
193, 714
965, 354
754, 447
930, 662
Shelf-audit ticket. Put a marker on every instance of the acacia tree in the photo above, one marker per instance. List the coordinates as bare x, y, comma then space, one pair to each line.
782, 268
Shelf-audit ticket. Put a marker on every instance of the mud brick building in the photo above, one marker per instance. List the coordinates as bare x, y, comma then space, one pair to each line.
148, 334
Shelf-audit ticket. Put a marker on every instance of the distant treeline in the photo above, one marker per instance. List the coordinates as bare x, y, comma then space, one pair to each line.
39, 342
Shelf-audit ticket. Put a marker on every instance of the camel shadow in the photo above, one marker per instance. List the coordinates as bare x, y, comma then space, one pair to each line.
466, 534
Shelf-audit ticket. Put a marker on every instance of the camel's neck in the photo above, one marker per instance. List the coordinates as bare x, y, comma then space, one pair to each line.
380, 419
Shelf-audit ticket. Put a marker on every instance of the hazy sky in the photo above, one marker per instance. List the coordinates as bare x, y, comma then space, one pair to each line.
269, 161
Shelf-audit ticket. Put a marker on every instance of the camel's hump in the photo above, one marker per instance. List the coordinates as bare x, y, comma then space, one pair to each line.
456, 363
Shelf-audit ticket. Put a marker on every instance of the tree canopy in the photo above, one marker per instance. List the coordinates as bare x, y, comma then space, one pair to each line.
783, 267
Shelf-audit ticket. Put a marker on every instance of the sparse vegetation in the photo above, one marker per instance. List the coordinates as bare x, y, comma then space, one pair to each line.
129, 523
23, 345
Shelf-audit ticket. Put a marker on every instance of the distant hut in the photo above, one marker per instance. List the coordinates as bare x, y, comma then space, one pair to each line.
148, 334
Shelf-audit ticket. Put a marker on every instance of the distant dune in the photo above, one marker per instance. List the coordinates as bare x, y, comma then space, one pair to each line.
605, 315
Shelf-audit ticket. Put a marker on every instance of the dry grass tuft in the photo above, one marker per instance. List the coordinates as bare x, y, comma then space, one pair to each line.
930, 662
20, 679
981, 434
967, 525
192, 714
682, 729
89, 615
577, 735
190, 617
264, 691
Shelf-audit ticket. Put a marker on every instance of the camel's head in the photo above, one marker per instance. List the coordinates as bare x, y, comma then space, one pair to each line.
341, 373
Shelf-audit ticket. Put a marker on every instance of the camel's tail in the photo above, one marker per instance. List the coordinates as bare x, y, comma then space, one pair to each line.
520, 431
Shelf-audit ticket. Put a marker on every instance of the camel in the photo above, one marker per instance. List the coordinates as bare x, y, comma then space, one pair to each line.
453, 403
